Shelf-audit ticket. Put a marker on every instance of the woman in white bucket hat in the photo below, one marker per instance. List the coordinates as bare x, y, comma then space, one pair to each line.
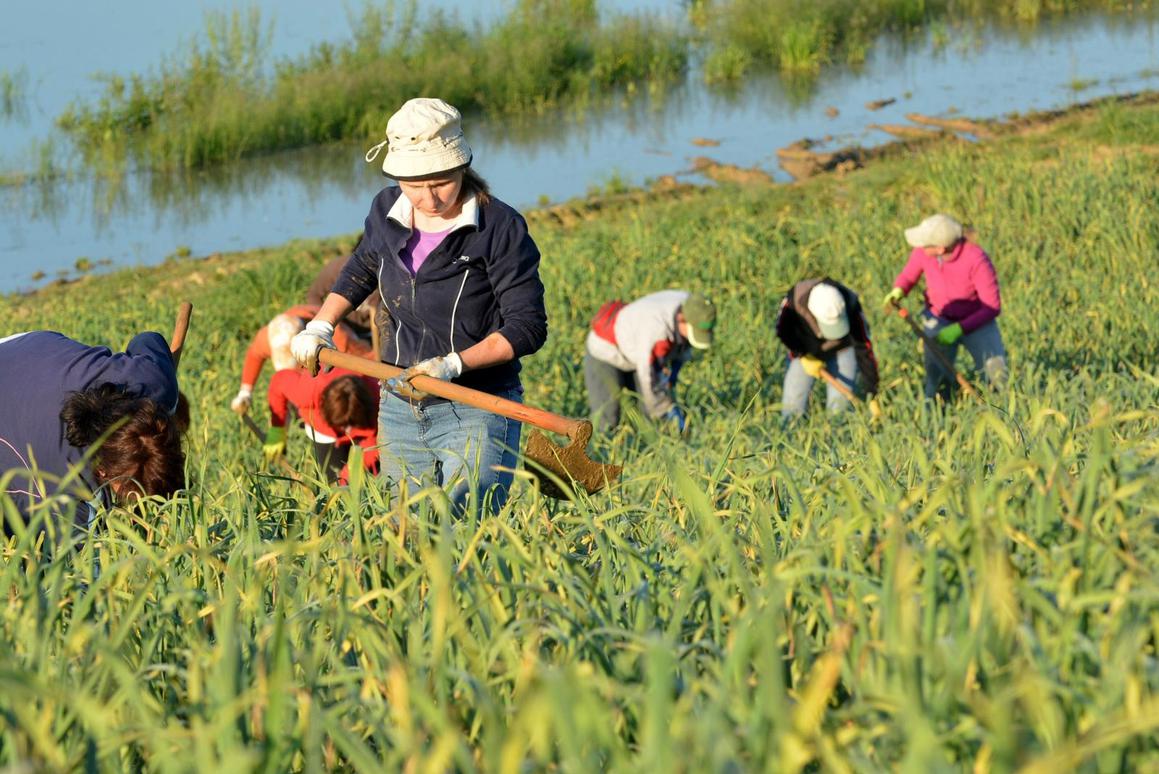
962, 301
458, 275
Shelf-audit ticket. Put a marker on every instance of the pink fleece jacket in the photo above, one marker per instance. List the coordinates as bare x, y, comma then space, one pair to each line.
961, 286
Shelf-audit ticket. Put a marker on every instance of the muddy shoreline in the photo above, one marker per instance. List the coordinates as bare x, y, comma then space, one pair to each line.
798, 159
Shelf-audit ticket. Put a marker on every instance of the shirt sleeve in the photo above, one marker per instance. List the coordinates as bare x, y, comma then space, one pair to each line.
655, 393
278, 396
255, 357
911, 273
359, 277
147, 365
787, 327
514, 275
989, 296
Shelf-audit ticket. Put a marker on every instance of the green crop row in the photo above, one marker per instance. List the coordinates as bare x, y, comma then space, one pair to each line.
972, 588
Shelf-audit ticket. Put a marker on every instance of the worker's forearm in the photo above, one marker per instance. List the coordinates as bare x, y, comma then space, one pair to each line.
334, 308
491, 351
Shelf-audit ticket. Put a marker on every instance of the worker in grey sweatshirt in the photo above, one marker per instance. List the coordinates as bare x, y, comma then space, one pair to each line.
641, 346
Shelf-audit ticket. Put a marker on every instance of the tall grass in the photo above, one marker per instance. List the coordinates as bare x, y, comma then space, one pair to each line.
224, 99
963, 589
802, 35
13, 93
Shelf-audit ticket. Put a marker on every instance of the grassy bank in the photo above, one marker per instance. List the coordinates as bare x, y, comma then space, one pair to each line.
799, 38
974, 589
223, 98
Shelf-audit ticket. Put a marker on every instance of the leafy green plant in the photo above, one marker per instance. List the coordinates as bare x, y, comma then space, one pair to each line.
957, 588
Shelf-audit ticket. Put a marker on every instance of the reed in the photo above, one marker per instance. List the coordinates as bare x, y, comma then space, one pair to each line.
224, 99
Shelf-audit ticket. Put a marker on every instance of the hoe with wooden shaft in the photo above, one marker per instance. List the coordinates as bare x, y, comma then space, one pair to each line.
180, 328
962, 381
874, 409
569, 464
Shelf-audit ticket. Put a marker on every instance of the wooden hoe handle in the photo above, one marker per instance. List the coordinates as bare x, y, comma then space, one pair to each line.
177, 342
544, 420
840, 386
932, 346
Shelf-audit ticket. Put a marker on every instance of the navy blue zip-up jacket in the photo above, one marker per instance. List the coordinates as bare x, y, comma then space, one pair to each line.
481, 279
38, 372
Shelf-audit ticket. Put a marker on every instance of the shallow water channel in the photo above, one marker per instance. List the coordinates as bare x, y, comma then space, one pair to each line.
142, 218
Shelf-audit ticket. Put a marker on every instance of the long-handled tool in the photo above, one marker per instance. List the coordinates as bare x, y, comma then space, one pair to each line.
180, 328
375, 336
932, 346
570, 463
840, 386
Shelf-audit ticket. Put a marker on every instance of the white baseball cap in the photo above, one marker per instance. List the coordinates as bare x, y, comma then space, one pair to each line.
280, 330
827, 306
935, 231
425, 137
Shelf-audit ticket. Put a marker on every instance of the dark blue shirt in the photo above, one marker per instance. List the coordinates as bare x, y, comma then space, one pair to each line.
481, 279
38, 372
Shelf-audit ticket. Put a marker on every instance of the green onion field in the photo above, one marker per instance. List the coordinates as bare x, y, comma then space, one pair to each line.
967, 589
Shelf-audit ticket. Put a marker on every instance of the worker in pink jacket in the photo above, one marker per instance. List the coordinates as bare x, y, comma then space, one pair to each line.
962, 301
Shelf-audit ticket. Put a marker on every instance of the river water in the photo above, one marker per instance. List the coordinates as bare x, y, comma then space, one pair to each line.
55, 47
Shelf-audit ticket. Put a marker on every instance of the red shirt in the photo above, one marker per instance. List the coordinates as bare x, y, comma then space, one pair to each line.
297, 387
368, 439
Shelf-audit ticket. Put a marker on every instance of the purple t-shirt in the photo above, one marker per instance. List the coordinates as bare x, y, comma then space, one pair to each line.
420, 245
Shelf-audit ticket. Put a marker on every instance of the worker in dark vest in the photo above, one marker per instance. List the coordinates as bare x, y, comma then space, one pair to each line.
822, 324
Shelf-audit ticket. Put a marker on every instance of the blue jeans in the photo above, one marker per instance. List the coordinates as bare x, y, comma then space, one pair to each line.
798, 384
984, 345
470, 450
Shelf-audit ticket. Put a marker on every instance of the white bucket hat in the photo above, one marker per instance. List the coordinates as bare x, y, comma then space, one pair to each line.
827, 306
280, 330
425, 137
935, 231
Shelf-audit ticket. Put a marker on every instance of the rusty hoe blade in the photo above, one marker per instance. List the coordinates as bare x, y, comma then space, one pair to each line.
568, 464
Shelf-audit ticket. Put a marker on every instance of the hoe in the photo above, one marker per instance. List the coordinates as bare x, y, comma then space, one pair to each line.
962, 381
874, 409
553, 463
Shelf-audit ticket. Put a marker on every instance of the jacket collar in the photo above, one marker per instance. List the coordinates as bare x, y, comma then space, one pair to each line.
954, 254
402, 212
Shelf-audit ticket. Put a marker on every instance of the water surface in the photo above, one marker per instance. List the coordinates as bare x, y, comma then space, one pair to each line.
326, 191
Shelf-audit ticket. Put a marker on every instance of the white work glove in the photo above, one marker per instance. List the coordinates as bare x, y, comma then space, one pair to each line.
447, 367
306, 345
241, 403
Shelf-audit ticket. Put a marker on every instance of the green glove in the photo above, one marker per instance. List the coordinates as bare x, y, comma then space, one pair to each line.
812, 366
893, 297
274, 445
948, 335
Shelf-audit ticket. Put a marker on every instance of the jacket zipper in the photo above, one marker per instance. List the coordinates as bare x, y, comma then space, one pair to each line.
455, 308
